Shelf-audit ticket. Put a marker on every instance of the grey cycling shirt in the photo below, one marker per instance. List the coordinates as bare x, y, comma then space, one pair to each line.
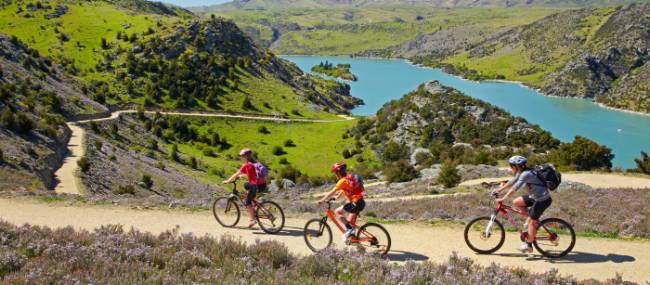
536, 188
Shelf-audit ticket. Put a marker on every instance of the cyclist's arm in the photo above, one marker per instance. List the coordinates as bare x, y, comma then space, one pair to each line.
515, 185
328, 195
233, 178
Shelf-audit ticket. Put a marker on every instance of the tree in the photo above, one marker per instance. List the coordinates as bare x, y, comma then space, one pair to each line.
289, 143
399, 171
394, 152
278, 150
643, 163
83, 164
147, 181
263, 130
104, 43
449, 176
583, 154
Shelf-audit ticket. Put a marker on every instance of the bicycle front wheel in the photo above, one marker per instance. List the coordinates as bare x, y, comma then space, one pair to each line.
270, 217
373, 238
484, 236
555, 238
226, 211
318, 235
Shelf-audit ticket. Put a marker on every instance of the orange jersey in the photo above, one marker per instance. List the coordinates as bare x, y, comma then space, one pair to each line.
351, 186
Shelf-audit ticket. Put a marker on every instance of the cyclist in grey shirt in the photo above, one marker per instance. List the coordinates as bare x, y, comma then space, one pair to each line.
536, 202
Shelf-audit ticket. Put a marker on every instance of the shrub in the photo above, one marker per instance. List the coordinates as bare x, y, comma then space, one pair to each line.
247, 105
23, 124
643, 163
296, 112
147, 181
129, 189
83, 164
399, 171
98, 145
209, 152
365, 171
394, 152
152, 144
484, 157
283, 161
94, 127
289, 172
2, 156
424, 159
263, 130
582, 154
449, 176
278, 150
7, 119
112, 157
193, 163
160, 165
346, 154
289, 143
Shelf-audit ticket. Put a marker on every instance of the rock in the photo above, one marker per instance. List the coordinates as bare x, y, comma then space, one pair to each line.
463, 145
417, 151
287, 184
430, 173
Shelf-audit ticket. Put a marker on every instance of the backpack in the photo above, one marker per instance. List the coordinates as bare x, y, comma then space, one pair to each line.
261, 171
355, 182
548, 175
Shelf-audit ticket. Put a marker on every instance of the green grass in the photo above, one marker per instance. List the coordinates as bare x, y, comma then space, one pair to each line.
85, 24
318, 146
347, 31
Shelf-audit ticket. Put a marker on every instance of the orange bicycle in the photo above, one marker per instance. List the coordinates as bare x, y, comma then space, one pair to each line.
371, 237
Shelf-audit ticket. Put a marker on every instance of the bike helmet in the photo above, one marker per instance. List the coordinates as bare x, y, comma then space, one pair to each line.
245, 152
517, 160
339, 167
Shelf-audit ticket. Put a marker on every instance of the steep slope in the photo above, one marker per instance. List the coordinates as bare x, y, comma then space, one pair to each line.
279, 4
439, 117
591, 53
36, 97
118, 48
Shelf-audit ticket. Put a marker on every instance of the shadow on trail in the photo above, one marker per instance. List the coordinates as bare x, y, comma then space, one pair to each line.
398, 255
286, 231
586, 257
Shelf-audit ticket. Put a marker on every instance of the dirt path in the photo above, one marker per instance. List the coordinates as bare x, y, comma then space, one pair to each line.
595, 180
68, 181
592, 258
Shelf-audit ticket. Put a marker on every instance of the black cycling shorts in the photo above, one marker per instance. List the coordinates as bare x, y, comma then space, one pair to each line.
536, 208
252, 193
355, 207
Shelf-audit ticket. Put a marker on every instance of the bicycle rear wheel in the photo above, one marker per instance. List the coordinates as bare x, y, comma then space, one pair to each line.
318, 235
373, 238
555, 238
226, 211
270, 217
482, 239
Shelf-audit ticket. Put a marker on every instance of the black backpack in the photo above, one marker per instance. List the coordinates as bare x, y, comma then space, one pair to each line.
548, 175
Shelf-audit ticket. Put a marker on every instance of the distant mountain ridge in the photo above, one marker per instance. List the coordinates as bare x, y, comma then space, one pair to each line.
270, 4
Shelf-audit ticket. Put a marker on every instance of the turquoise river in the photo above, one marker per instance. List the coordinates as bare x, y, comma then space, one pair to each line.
380, 81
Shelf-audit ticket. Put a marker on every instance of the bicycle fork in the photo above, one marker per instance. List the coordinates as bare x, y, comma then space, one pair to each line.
488, 230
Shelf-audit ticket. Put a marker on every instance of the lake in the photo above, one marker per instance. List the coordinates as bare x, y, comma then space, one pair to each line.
382, 80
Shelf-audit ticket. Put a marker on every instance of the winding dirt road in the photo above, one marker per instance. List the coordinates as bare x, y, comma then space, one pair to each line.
592, 258
67, 176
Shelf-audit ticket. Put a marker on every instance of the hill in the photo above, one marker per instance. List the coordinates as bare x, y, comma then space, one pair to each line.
68, 60
36, 97
597, 53
282, 4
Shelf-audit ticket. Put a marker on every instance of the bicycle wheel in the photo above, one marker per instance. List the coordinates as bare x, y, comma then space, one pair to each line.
555, 238
270, 217
373, 238
226, 211
482, 239
318, 235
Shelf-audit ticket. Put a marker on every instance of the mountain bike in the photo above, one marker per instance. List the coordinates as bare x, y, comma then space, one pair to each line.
268, 214
371, 237
555, 237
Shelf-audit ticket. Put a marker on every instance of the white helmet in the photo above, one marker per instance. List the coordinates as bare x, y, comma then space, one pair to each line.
517, 160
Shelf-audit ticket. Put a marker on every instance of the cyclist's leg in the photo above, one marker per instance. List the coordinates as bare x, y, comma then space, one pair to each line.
522, 203
340, 214
248, 202
534, 213
355, 210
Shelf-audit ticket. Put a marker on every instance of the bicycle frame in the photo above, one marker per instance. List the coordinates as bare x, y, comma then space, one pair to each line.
504, 210
331, 215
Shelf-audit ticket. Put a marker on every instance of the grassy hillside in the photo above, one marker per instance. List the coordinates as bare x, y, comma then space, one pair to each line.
118, 50
335, 31
280, 4
184, 155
